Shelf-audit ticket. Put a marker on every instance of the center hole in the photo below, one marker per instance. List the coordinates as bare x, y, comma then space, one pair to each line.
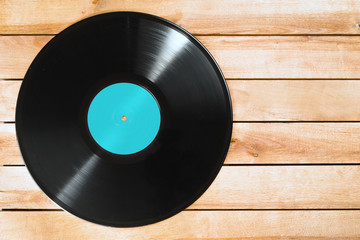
123, 118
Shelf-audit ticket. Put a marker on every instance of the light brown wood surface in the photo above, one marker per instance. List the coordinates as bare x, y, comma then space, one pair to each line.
293, 167
199, 17
8, 96
295, 100
294, 143
236, 187
259, 143
238, 56
190, 225
263, 100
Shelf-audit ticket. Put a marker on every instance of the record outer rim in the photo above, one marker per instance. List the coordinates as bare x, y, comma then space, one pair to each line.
194, 40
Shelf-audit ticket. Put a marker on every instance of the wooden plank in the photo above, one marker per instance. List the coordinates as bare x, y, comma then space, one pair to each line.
236, 187
239, 57
295, 100
8, 96
259, 143
226, 17
189, 225
9, 149
263, 100
17, 52
286, 57
289, 143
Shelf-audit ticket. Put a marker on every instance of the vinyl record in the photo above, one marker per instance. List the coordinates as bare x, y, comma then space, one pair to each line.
124, 119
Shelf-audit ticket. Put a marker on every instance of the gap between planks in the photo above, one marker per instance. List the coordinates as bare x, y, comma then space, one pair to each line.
197, 210
209, 35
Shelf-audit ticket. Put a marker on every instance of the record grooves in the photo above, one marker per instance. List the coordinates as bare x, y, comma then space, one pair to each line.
124, 119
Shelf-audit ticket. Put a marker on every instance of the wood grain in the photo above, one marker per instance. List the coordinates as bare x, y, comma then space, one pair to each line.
238, 56
9, 149
295, 100
225, 225
263, 100
311, 75
292, 143
286, 57
17, 52
236, 187
8, 96
226, 16
259, 143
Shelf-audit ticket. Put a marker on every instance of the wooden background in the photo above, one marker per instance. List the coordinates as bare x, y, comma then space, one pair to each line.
293, 169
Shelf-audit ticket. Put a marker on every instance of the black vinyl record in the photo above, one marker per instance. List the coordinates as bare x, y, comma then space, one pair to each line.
124, 189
